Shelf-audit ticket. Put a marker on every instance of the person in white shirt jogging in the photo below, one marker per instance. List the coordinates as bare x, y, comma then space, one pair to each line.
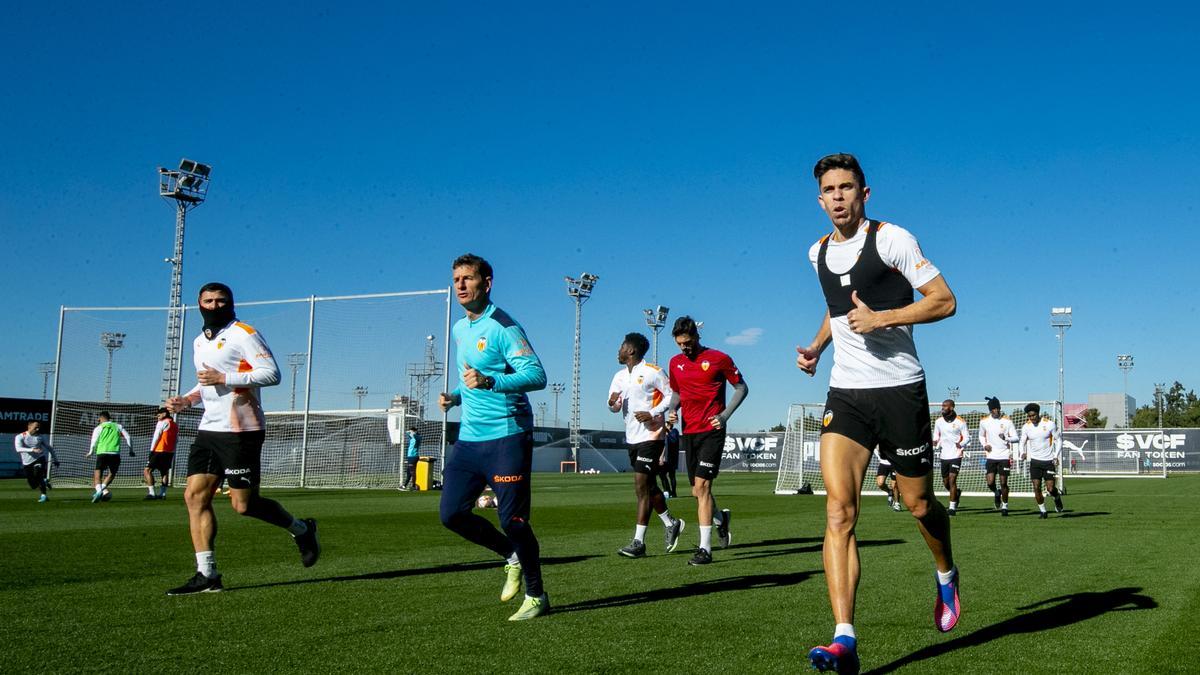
232, 363
951, 435
868, 271
642, 393
996, 434
1037, 445
36, 455
106, 445
162, 455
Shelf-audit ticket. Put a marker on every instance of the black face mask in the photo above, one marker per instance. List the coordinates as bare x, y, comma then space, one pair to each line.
216, 319
949, 415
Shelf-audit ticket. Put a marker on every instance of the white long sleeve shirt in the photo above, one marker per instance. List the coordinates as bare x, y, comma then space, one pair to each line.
951, 437
998, 433
241, 353
29, 447
1037, 440
646, 388
96, 437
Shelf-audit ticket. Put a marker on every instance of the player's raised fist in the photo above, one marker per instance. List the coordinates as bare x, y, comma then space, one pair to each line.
806, 360
444, 401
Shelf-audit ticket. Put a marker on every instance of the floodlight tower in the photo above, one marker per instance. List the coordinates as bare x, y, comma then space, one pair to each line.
1125, 363
420, 377
46, 368
360, 392
111, 342
656, 318
541, 406
580, 290
1060, 320
953, 393
557, 388
296, 361
187, 187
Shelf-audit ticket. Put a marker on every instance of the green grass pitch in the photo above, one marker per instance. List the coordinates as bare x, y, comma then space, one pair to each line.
1112, 586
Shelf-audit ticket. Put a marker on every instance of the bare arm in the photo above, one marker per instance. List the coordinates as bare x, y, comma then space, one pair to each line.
807, 357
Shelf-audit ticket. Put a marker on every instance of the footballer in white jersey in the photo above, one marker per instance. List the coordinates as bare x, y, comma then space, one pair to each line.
951, 436
996, 434
1038, 444
641, 393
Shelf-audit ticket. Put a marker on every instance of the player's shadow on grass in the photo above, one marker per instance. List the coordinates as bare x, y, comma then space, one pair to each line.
773, 542
742, 583
416, 571
813, 548
1058, 612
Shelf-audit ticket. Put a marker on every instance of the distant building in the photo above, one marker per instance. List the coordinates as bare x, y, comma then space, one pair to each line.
1114, 407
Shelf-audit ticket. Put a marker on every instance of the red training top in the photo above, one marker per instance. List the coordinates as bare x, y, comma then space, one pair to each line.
700, 383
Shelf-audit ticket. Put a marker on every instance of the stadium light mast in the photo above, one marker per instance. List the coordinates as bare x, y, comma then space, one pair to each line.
296, 361
187, 187
360, 392
111, 342
557, 388
656, 318
1060, 320
1125, 363
579, 290
420, 377
952, 393
1160, 396
46, 368
541, 406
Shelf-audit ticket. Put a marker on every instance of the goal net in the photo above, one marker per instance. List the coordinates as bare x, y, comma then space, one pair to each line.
800, 461
354, 371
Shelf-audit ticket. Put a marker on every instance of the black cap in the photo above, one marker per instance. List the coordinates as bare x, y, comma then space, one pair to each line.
993, 403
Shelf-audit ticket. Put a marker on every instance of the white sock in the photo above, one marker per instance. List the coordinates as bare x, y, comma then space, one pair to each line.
945, 577
954, 505
99, 487
298, 527
150, 489
1042, 507
639, 532
1004, 505
206, 564
513, 559
666, 518
844, 629
706, 537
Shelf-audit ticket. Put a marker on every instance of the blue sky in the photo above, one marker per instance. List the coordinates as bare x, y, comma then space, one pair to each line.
1042, 157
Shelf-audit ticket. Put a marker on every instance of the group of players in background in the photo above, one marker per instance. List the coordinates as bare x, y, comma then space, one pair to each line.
868, 271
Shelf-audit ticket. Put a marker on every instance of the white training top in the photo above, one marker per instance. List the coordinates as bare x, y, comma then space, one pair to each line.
29, 447
886, 357
1038, 440
998, 433
241, 353
951, 437
646, 388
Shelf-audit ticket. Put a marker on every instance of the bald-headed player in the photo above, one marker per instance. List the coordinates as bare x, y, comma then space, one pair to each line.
868, 271
951, 436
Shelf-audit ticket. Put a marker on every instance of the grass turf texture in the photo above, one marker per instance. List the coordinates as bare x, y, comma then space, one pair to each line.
1111, 586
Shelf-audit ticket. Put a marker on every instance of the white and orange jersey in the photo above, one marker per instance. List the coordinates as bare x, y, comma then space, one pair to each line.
645, 388
241, 353
998, 433
166, 434
951, 437
1038, 440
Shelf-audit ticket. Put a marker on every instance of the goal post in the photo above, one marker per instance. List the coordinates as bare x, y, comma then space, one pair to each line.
800, 463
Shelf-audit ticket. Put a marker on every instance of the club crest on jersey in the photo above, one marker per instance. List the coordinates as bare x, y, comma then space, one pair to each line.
481, 344
827, 418
640, 379
221, 343
704, 366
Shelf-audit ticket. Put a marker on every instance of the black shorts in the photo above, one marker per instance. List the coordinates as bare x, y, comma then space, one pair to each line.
160, 461
896, 419
35, 471
703, 453
884, 470
1000, 466
643, 457
950, 466
235, 456
1042, 469
110, 461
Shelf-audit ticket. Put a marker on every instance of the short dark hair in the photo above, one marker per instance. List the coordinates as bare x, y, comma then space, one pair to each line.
950, 401
685, 325
214, 286
993, 403
104, 415
412, 428
639, 343
162, 410
483, 267
840, 160
1033, 408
